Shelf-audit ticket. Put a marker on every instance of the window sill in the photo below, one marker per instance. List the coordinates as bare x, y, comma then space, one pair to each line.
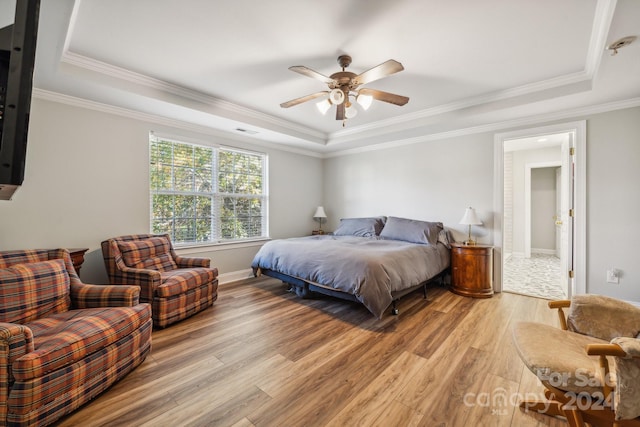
221, 246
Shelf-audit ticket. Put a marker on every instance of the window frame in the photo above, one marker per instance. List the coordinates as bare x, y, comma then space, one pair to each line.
215, 195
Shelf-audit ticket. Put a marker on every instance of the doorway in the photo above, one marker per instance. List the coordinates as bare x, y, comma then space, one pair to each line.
533, 201
539, 211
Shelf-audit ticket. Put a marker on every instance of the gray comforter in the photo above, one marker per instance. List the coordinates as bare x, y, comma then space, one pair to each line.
369, 268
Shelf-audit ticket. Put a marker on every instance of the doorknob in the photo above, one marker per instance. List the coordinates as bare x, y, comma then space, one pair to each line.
558, 222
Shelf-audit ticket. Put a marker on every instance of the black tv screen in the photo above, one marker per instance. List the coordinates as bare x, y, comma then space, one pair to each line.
17, 58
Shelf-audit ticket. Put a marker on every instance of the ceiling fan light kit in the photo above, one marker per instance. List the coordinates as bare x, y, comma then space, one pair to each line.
343, 87
364, 100
336, 96
323, 106
350, 111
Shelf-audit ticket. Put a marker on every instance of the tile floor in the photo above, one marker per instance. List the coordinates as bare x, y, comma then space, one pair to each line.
538, 276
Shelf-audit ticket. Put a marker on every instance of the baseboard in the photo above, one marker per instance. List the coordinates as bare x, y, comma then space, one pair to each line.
543, 251
234, 276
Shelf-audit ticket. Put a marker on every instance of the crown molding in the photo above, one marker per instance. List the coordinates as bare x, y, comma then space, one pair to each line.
103, 68
497, 126
490, 127
337, 137
565, 80
603, 15
599, 32
164, 121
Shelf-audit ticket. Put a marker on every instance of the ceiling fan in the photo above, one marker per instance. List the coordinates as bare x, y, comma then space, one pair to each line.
343, 87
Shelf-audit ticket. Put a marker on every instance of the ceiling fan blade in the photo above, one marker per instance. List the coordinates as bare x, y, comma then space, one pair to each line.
340, 114
305, 71
379, 71
303, 99
391, 98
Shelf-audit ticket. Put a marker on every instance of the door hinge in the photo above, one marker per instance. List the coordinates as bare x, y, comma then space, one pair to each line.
570, 274
571, 213
572, 151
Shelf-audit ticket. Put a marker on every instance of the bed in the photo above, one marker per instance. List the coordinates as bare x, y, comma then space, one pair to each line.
374, 261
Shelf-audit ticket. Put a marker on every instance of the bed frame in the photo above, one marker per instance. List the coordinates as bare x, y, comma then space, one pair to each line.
305, 289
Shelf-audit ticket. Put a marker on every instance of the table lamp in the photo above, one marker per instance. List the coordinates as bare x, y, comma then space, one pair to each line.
320, 216
470, 218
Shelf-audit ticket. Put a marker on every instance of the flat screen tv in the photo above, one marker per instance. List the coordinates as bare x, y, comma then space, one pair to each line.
17, 58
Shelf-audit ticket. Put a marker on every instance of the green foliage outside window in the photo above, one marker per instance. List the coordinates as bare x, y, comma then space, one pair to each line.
206, 194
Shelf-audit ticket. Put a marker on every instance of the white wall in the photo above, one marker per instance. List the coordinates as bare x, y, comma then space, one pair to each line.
613, 174
435, 180
87, 180
521, 159
543, 209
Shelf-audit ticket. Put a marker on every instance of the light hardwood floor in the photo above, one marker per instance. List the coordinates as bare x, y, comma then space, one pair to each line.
263, 357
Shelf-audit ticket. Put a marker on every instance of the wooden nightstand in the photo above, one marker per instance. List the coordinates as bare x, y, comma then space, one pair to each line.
77, 257
472, 270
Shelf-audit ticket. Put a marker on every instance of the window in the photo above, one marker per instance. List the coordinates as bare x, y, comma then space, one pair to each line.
202, 194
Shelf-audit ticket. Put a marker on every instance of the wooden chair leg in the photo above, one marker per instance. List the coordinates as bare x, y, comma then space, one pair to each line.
550, 406
574, 416
545, 407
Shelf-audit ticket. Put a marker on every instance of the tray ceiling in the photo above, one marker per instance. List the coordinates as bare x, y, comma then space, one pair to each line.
224, 65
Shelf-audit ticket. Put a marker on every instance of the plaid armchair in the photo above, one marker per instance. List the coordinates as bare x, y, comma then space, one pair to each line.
176, 287
62, 342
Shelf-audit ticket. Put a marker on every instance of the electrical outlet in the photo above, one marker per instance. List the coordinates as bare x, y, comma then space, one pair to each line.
612, 276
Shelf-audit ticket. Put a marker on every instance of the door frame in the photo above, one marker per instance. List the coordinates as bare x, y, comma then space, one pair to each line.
579, 128
558, 215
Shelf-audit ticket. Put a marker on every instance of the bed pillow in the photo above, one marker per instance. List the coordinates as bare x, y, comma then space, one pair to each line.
411, 230
444, 238
362, 227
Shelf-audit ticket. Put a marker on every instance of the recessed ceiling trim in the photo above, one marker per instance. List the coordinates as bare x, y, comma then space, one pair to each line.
152, 118
84, 62
382, 131
553, 83
603, 16
340, 136
599, 32
164, 121
492, 127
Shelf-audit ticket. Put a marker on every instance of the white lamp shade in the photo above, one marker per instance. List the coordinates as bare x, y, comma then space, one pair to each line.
336, 96
350, 112
470, 217
364, 101
323, 106
320, 213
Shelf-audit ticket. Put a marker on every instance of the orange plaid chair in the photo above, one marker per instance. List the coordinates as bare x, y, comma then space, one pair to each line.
62, 342
176, 287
